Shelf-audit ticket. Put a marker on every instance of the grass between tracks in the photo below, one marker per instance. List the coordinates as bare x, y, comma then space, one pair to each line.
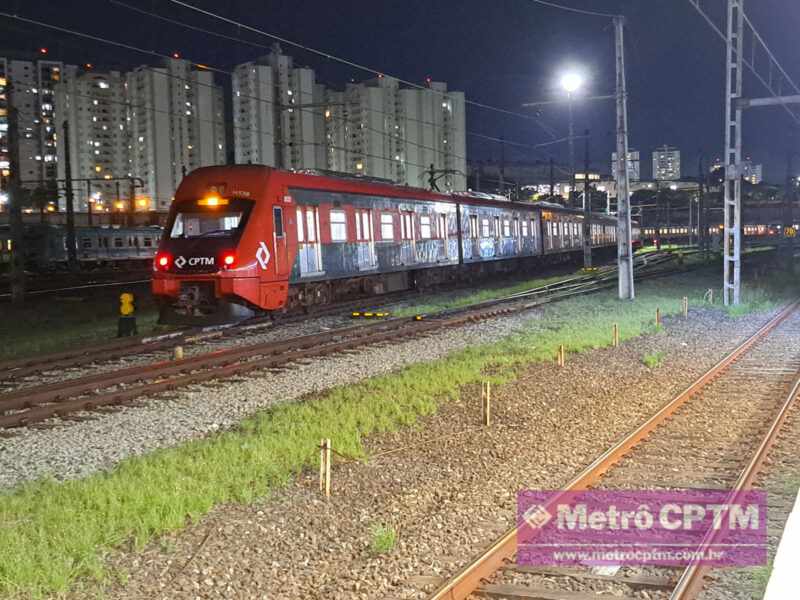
53, 534
45, 325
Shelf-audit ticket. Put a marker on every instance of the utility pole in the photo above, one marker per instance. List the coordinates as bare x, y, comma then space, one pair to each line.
571, 150
502, 173
72, 250
624, 241
89, 203
587, 208
702, 210
788, 212
732, 203
132, 204
15, 209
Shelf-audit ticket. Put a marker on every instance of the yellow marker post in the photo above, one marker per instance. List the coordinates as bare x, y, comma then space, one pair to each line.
126, 325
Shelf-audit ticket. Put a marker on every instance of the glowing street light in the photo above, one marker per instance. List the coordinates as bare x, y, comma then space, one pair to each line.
571, 82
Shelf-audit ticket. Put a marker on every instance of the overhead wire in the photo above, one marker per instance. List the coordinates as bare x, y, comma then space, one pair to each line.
207, 67
350, 63
217, 34
582, 11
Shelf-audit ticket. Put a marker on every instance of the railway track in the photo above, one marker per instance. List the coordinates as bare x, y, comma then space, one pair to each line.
79, 356
688, 444
32, 404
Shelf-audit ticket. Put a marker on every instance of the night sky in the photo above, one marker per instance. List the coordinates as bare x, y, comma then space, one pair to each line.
500, 52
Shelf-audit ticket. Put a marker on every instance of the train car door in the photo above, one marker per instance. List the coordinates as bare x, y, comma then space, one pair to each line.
308, 250
444, 233
365, 239
280, 249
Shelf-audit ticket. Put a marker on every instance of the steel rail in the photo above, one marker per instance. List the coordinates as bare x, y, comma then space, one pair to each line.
466, 581
690, 583
64, 397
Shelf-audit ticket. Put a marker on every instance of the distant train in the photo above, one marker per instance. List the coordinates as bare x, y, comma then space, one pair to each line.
248, 238
752, 232
45, 246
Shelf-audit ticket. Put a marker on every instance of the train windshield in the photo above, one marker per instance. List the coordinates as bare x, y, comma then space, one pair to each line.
210, 217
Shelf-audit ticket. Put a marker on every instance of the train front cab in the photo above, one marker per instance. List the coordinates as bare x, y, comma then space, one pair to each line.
225, 251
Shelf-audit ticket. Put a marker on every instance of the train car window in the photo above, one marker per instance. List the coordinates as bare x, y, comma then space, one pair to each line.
363, 225
497, 227
506, 228
300, 236
311, 224
473, 226
86, 243
425, 226
516, 227
118, 243
147, 242
202, 218
338, 226
485, 228
407, 225
277, 220
524, 228
443, 232
387, 226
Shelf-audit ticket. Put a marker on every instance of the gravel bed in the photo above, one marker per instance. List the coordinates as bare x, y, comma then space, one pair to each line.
76, 449
449, 490
251, 335
781, 483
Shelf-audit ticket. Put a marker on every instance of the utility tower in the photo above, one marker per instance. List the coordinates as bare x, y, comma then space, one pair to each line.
759, 59
732, 184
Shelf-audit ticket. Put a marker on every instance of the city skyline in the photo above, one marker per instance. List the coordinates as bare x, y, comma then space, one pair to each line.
682, 105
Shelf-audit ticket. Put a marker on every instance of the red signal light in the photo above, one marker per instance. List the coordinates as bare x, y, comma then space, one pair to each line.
228, 260
162, 261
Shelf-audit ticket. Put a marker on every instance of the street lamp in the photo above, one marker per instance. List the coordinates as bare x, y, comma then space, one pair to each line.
571, 82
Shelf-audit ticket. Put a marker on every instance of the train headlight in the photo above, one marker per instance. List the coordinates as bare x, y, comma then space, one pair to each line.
162, 261
228, 260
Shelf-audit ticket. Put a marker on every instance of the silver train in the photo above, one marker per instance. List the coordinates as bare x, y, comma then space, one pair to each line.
45, 246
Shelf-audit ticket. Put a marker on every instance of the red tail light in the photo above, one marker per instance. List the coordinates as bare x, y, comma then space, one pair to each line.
162, 261
228, 260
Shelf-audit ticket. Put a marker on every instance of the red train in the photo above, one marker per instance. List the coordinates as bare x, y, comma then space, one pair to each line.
246, 238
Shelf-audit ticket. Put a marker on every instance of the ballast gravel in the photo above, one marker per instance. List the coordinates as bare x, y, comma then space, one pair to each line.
76, 449
447, 488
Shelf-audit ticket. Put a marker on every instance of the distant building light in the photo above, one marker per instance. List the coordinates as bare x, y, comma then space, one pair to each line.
42, 50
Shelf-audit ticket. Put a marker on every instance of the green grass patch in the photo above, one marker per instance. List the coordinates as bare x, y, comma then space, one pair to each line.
46, 325
481, 295
382, 539
759, 578
653, 360
53, 534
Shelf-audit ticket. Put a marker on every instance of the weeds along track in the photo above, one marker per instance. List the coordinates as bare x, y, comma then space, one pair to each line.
32, 404
75, 359
12, 371
715, 435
